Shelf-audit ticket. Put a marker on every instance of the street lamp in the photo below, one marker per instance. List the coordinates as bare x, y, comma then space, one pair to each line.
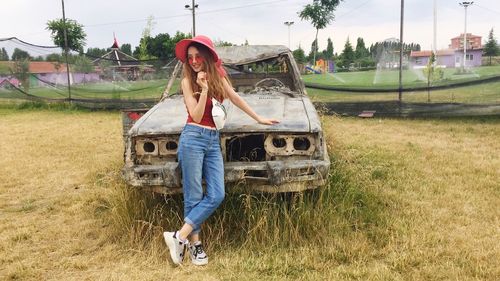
288, 23
192, 8
66, 50
434, 39
465, 4
401, 49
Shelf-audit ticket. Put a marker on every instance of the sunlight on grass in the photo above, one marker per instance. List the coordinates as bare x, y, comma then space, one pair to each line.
406, 200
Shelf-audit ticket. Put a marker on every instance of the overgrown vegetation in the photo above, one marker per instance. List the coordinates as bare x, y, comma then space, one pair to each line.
406, 200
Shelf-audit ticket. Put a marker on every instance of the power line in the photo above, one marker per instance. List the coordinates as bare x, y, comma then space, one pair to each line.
131, 21
487, 9
352, 10
186, 15
242, 6
224, 28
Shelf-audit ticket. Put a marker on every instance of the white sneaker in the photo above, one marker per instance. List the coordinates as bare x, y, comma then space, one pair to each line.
198, 255
175, 246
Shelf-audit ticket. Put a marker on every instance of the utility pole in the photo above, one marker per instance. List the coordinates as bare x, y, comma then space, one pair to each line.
66, 51
288, 23
193, 8
434, 44
465, 4
400, 95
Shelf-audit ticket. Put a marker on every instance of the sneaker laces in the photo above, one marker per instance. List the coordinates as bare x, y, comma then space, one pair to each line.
198, 249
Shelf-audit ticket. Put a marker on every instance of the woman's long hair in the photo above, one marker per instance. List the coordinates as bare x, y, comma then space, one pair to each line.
215, 81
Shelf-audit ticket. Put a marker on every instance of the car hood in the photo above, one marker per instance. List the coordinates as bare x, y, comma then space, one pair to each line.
296, 114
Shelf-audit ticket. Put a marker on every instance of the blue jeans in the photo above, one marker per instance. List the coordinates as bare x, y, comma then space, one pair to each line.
200, 157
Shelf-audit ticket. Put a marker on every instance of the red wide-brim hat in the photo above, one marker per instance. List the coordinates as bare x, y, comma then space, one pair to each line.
182, 46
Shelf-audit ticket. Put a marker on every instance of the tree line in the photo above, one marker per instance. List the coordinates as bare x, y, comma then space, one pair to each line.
157, 50
359, 56
362, 57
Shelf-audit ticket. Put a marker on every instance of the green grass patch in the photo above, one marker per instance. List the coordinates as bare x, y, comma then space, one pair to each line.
482, 93
389, 79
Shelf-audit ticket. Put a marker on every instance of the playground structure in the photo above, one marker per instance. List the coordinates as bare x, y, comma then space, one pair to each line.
322, 66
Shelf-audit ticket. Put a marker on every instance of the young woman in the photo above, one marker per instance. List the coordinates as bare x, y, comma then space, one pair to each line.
199, 152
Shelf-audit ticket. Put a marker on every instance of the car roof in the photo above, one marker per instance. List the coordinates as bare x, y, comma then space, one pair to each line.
238, 55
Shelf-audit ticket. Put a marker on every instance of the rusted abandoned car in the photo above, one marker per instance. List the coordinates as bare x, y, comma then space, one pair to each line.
289, 156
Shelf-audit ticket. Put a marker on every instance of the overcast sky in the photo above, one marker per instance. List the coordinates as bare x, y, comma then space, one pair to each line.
259, 21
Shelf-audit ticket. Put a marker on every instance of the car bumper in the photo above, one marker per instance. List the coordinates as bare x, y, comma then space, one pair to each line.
267, 176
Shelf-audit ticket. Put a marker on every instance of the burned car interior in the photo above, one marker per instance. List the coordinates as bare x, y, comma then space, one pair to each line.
264, 74
289, 156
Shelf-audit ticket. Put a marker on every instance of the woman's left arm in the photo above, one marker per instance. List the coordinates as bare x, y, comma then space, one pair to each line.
243, 105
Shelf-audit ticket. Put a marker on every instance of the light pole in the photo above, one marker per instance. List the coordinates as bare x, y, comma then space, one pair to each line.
401, 21
434, 41
192, 8
465, 4
66, 50
288, 23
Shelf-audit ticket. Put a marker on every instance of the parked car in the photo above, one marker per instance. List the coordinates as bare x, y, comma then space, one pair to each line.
289, 156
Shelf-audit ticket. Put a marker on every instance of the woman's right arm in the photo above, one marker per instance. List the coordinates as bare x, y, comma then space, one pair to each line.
196, 108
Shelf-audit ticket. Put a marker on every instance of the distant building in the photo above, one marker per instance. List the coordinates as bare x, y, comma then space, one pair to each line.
45, 73
116, 65
452, 57
8, 81
473, 42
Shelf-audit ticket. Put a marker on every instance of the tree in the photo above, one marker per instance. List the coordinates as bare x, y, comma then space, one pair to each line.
361, 51
320, 13
19, 54
329, 49
126, 48
432, 73
347, 55
146, 35
83, 65
299, 55
161, 46
491, 48
95, 52
170, 44
221, 43
54, 57
384, 52
156, 46
4, 55
21, 71
38, 58
178, 37
107, 72
314, 49
74, 33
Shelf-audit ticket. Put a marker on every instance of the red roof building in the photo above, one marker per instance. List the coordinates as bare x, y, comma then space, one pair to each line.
473, 42
445, 52
121, 64
41, 67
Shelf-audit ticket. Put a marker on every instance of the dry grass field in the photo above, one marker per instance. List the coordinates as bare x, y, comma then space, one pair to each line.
406, 200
